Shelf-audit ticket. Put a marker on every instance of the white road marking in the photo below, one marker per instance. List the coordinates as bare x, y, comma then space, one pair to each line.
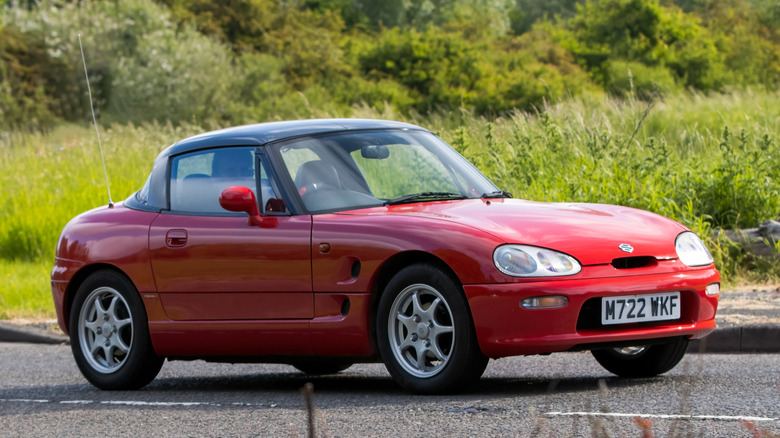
273, 405
144, 403
131, 402
23, 400
660, 416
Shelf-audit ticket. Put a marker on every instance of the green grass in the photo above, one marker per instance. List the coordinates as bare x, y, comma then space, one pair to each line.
26, 291
708, 161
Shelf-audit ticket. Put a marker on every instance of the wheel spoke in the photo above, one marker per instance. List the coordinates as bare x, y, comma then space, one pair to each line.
421, 360
417, 304
99, 308
437, 352
431, 311
407, 321
438, 329
121, 323
108, 351
112, 308
92, 325
120, 345
407, 343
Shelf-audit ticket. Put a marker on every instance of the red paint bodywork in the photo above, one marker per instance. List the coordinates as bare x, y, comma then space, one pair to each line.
237, 290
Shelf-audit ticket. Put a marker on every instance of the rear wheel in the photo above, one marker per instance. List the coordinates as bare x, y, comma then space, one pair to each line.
425, 333
643, 360
110, 335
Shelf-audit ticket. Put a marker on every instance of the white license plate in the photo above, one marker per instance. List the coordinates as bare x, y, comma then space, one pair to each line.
640, 308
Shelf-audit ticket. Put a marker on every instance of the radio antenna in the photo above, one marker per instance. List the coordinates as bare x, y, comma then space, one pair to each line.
94, 122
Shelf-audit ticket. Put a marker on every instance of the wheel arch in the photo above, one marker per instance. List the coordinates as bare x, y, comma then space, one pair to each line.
393, 266
75, 283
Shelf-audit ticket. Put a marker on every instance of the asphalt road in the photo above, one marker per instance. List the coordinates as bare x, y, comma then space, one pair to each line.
568, 394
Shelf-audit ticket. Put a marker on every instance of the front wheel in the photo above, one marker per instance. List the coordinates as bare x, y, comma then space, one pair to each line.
643, 360
110, 334
425, 333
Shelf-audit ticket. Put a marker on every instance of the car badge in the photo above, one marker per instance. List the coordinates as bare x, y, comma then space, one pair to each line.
626, 247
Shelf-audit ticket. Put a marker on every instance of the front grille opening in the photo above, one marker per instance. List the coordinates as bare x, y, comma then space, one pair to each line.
634, 262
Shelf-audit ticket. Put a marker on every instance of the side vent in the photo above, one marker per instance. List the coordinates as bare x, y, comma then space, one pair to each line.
355, 271
345, 307
634, 262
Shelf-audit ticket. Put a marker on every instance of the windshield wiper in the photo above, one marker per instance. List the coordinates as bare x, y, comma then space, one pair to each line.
424, 196
497, 194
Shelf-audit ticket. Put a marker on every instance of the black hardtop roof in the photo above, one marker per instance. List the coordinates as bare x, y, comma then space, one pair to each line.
262, 133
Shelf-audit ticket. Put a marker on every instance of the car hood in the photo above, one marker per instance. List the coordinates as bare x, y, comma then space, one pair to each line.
592, 233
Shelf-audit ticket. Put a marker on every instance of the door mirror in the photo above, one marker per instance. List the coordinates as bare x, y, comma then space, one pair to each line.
238, 199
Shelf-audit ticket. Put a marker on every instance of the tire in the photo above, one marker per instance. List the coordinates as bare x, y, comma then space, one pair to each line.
107, 302
425, 333
643, 361
317, 367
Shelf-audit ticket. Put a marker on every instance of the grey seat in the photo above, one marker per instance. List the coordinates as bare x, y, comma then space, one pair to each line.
317, 175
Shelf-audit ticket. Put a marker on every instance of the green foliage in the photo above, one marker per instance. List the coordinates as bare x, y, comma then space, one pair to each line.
742, 189
527, 12
251, 60
26, 290
33, 91
627, 79
141, 66
308, 43
441, 70
240, 23
642, 31
747, 36
418, 14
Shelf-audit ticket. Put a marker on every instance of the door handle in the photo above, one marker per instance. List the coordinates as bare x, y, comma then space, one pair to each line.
176, 238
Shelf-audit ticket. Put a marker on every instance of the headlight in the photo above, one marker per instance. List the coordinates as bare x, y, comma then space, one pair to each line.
531, 261
691, 250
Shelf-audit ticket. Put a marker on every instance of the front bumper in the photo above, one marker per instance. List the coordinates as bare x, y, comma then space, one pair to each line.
504, 328
61, 275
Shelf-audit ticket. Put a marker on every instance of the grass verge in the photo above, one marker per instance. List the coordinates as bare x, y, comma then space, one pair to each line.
26, 291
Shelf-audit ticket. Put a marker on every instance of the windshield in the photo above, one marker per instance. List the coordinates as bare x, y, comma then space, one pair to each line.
371, 168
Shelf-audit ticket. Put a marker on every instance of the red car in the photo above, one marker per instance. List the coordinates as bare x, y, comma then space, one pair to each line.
321, 243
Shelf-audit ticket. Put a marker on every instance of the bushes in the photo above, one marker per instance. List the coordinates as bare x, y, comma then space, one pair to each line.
625, 78
141, 66
253, 60
34, 90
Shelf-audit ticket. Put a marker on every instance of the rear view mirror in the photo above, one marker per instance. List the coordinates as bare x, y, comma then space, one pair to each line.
375, 152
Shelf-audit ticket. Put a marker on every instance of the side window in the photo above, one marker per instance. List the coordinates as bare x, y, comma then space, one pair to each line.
197, 179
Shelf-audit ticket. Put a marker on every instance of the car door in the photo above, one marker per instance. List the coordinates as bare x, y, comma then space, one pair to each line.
211, 264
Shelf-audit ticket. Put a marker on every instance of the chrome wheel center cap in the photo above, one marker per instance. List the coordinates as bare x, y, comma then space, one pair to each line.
107, 330
423, 331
